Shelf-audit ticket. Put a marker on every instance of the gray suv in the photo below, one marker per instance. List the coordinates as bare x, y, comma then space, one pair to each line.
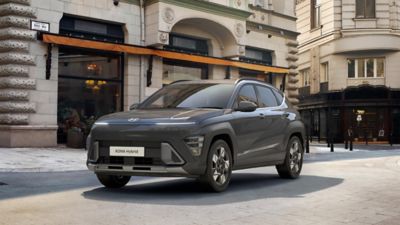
201, 129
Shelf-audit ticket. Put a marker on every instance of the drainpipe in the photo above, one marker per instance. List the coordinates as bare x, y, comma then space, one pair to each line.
142, 43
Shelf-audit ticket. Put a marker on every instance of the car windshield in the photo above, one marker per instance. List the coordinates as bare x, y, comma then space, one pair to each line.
189, 95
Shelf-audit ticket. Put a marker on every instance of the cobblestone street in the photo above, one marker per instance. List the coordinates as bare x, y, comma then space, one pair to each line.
359, 187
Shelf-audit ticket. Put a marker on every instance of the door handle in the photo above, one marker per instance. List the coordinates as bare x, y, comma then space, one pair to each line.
261, 115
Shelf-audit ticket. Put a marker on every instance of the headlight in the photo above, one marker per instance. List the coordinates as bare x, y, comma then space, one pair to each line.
195, 144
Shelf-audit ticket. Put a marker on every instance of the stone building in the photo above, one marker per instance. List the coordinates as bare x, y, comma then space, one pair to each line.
101, 56
349, 68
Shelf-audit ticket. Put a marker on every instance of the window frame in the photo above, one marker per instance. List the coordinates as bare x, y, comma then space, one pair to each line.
303, 78
365, 67
325, 68
364, 10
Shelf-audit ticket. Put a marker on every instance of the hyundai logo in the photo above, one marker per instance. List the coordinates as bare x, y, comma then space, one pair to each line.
133, 119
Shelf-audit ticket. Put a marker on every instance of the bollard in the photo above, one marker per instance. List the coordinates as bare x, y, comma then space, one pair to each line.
311, 139
390, 140
346, 144
307, 146
332, 145
366, 137
351, 145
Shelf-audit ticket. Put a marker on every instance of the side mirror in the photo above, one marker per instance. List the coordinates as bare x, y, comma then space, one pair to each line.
133, 106
246, 106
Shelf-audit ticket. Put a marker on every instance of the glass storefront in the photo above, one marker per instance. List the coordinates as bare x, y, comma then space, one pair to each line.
90, 86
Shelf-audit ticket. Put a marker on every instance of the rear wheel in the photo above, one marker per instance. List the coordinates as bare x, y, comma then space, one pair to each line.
219, 167
293, 163
112, 181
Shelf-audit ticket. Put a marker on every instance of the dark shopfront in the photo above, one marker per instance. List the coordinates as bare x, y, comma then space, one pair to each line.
90, 82
372, 113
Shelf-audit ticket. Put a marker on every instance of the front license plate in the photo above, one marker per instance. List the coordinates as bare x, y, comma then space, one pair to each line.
126, 151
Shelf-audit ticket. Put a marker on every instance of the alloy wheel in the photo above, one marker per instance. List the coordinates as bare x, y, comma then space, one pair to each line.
295, 157
220, 166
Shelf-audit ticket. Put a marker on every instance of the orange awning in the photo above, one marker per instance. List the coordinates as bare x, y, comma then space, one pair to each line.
138, 50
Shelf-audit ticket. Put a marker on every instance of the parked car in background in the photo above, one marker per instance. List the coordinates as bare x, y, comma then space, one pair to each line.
202, 129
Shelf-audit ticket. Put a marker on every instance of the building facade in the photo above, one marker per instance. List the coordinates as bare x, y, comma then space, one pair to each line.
349, 71
101, 56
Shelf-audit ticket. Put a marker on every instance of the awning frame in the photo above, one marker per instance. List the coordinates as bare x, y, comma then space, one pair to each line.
58, 39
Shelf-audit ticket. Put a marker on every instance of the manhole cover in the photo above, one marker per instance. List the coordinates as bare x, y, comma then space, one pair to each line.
1, 183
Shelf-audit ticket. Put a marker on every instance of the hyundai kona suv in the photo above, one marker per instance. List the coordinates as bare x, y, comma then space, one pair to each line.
201, 129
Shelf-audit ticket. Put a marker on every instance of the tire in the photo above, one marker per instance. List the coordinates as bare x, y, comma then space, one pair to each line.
291, 168
219, 167
112, 181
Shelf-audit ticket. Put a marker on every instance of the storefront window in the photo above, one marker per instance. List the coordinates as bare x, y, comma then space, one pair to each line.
90, 86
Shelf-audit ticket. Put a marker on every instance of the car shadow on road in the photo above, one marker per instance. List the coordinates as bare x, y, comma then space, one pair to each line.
243, 187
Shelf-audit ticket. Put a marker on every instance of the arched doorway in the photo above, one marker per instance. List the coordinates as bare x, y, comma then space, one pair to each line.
202, 37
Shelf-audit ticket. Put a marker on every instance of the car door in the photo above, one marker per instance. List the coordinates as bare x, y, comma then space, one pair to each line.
274, 123
247, 127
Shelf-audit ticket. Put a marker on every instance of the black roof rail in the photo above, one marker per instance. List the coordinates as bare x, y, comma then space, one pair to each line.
250, 79
178, 81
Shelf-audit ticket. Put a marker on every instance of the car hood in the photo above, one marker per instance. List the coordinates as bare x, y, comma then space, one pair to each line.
154, 116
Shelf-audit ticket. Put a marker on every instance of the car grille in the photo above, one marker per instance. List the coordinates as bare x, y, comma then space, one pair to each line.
152, 154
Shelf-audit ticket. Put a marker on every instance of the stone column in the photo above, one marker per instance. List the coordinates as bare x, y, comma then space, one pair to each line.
292, 89
15, 83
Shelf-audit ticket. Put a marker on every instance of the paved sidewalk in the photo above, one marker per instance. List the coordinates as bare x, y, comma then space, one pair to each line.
67, 159
42, 159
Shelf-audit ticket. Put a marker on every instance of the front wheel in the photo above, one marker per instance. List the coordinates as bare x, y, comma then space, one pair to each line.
293, 163
219, 167
112, 181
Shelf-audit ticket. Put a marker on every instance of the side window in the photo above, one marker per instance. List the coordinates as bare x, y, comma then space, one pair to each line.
279, 96
266, 97
247, 93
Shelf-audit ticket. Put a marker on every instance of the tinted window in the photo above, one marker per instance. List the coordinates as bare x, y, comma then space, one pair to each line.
247, 93
266, 97
279, 96
190, 96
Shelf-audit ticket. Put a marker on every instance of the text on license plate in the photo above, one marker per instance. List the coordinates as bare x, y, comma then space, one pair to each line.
126, 151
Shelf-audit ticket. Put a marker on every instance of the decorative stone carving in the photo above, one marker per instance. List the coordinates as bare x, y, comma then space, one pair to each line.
9, 45
15, 33
16, 58
15, 95
168, 15
238, 3
22, 2
17, 83
14, 70
17, 9
293, 72
293, 50
292, 57
239, 30
292, 88
15, 16
292, 43
15, 21
293, 65
17, 107
163, 37
14, 119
